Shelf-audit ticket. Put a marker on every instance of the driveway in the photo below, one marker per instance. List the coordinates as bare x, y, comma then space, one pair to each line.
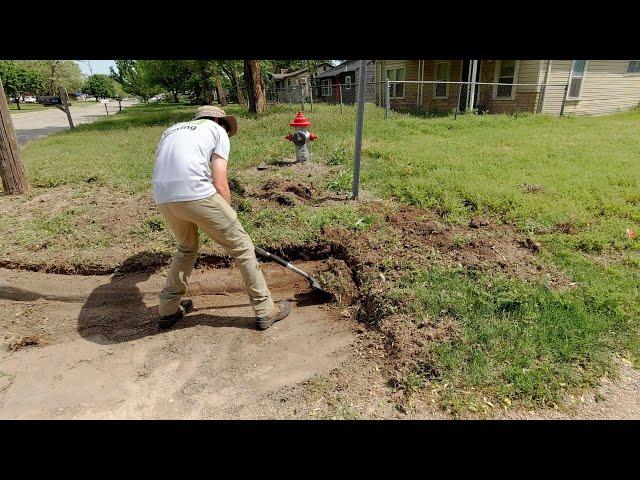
32, 125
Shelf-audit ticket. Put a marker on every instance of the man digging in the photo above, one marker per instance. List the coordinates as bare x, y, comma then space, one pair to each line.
191, 191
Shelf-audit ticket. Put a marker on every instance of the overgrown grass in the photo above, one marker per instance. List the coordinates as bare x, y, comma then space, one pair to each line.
571, 182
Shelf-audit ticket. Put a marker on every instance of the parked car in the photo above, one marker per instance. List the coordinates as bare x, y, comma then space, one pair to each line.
29, 99
104, 100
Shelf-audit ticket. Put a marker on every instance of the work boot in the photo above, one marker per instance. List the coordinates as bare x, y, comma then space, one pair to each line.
169, 321
280, 310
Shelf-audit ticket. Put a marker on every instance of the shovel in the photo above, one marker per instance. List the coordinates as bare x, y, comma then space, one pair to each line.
312, 281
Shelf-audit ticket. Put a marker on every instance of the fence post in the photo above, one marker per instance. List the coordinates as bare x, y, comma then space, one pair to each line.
359, 124
387, 99
311, 95
455, 114
302, 97
106, 109
564, 99
340, 90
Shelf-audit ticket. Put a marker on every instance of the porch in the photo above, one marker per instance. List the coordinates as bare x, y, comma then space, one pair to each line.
445, 86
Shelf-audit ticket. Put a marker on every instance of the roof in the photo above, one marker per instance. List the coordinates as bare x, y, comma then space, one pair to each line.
282, 76
344, 67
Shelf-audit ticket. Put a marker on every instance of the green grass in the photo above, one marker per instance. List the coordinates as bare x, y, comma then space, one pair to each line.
25, 107
573, 183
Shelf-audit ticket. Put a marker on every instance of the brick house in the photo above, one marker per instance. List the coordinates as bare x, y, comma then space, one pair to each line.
574, 86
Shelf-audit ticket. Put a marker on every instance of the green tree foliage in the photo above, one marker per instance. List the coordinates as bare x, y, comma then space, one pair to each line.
133, 79
99, 86
234, 74
18, 80
57, 73
202, 80
173, 75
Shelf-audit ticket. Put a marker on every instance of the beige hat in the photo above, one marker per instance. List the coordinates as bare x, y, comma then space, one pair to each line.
217, 112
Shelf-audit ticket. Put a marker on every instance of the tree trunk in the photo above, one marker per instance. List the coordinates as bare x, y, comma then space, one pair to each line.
14, 180
18, 102
175, 97
255, 86
221, 96
236, 84
53, 71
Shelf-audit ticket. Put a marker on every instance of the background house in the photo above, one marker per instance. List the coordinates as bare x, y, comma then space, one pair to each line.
285, 82
594, 86
346, 74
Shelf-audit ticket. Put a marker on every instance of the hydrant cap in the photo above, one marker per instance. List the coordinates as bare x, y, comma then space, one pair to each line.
300, 121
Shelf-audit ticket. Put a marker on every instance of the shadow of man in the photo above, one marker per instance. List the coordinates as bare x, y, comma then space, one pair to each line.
116, 312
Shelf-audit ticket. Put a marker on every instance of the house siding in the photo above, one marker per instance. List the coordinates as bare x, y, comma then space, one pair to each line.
607, 88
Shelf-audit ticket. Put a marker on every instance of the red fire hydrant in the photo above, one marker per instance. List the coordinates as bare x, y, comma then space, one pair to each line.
301, 137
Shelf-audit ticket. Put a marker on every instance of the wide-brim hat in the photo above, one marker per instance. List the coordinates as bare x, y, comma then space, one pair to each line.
217, 112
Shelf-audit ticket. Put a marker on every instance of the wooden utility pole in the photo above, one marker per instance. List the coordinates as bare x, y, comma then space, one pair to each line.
14, 180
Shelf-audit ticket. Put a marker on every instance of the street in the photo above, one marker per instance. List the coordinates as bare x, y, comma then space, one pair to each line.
32, 125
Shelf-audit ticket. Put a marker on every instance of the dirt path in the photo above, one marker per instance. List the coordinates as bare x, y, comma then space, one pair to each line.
32, 125
88, 346
84, 347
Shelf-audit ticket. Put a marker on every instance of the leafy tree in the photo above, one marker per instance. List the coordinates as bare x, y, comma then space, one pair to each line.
173, 75
133, 80
118, 92
202, 80
57, 73
99, 86
233, 70
18, 80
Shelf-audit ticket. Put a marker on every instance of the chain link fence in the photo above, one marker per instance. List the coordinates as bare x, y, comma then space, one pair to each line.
428, 98
437, 99
303, 97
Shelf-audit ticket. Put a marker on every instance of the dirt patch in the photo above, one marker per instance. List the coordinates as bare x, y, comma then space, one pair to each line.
106, 358
337, 278
481, 244
23, 342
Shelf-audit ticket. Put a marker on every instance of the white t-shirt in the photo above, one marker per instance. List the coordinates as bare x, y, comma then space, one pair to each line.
182, 170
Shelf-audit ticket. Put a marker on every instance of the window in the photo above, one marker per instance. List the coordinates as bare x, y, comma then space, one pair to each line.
397, 89
326, 87
634, 66
506, 72
578, 69
442, 75
347, 83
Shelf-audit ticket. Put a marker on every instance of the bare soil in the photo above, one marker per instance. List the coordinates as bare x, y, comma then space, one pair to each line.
99, 352
85, 344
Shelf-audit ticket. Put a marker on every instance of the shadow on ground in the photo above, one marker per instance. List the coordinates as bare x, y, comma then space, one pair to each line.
116, 312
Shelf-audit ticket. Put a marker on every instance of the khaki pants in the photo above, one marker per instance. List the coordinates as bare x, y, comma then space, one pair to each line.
220, 222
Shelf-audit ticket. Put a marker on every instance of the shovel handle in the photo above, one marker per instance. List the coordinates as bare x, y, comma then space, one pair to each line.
282, 262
